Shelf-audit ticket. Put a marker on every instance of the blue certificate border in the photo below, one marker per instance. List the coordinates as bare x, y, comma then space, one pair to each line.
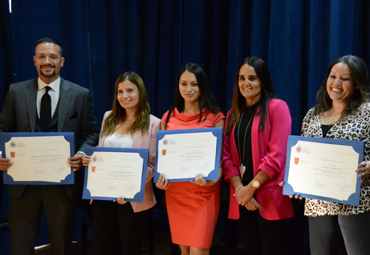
358, 146
6, 136
217, 132
143, 153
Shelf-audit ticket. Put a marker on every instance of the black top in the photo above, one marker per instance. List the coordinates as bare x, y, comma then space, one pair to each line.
325, 129
243, 141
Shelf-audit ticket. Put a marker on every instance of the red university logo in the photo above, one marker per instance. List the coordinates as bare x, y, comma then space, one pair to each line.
296, 161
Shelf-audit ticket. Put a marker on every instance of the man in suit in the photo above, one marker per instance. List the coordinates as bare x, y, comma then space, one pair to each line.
47, 104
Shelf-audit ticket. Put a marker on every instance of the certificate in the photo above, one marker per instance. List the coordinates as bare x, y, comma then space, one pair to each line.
116, 172
324, 169
38, 158
182, 154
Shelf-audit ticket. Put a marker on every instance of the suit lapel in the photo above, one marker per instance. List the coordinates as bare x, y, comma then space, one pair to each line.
64, 103
31, 95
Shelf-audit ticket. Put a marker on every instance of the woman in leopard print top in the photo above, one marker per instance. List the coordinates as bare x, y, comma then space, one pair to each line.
342, 112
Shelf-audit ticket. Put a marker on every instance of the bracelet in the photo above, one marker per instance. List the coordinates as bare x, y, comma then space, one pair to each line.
236, 190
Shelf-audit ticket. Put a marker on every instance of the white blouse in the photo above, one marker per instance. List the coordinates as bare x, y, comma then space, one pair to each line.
118, 141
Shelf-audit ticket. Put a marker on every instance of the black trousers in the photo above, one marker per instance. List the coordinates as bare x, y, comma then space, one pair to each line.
25, 216
340, 235
260, 236
117, 229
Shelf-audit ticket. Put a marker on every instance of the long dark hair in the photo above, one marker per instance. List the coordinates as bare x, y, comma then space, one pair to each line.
267, 92
118, 114
360, 75
206, 99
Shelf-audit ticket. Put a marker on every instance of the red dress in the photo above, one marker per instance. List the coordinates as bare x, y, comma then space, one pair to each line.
192, 209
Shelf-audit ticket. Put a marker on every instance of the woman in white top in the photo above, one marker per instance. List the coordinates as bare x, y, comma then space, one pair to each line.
117, 227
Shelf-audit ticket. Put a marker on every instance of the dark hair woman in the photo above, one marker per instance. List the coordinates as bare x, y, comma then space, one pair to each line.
254, 155
192, 206
342, 112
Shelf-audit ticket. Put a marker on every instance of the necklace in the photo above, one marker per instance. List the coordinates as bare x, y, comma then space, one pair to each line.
241, 155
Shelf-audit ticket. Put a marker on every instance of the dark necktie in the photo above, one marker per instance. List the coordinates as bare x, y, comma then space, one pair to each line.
45, 111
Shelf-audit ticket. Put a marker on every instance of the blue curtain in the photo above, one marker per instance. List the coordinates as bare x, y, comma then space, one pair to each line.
101, 39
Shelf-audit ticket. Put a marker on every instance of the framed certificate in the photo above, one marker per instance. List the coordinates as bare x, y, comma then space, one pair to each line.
38, 158
182, 154
324, 169
116, 172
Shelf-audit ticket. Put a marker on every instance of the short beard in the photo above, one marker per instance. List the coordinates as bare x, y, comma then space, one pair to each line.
47, 76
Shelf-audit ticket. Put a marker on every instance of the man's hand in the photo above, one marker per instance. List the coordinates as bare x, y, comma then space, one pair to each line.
5, 164
75, 162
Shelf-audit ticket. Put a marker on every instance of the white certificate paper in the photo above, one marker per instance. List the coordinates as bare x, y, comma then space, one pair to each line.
38, 159
323, 169
116, 172
182, 154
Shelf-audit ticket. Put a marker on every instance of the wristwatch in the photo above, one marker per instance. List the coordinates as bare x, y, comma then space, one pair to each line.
255, 183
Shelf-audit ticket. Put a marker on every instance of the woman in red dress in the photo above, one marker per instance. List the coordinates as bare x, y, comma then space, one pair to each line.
192, 206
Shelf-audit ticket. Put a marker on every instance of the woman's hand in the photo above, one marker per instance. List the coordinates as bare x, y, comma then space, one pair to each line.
244, 194
253, 205
296, 197
121, 200
86, 160
363, 169
162, 183
291, 196
201, 182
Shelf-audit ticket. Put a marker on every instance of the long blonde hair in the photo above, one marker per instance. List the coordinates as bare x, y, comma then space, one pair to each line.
142, 115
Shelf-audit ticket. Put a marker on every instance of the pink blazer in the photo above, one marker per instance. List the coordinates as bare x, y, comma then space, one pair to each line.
148, 141
269, 155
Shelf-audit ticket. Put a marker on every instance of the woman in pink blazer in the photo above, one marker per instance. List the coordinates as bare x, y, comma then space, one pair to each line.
254, 154
117, 227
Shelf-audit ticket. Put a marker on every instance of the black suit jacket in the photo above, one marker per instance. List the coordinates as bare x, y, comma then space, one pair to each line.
75, 115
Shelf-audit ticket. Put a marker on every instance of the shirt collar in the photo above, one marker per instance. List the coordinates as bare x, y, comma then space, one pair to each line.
55, 85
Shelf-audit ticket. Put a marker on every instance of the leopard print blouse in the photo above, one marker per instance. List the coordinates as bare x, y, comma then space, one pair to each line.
353, 127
